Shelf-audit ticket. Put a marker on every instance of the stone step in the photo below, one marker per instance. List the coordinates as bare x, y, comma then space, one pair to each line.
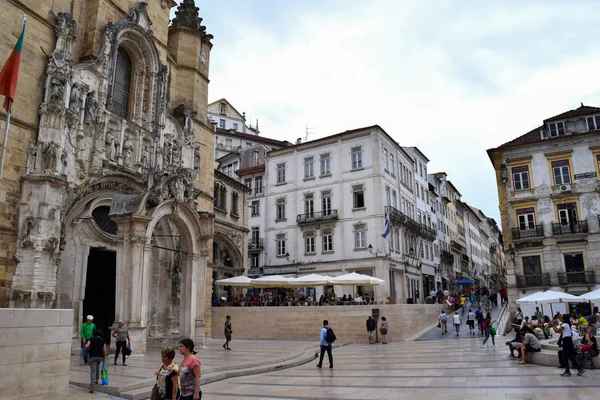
214, 376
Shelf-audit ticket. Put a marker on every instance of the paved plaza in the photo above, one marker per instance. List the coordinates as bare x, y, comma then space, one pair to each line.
433, 369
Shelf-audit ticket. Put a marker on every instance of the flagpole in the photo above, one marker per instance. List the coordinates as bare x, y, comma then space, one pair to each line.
5, 138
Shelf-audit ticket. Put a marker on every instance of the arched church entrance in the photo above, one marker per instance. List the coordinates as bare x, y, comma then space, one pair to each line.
227, 262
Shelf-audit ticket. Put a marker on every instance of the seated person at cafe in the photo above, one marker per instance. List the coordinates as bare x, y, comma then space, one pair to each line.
358, 299
531, 344
367, 299
344, 298
236, 301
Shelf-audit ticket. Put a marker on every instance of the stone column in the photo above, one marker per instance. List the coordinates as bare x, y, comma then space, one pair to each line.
200, 314
189, 290
132, 284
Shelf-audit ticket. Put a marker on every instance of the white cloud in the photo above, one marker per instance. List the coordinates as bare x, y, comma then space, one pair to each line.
453, 78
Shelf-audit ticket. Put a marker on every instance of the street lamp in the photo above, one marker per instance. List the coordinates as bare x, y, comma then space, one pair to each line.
512, 252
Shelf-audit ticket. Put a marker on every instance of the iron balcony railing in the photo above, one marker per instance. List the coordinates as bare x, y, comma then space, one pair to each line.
571, 228
456, 246
417, 228
533, 280
576, 278
447, 257
256, 243
534, 232
257, 191
320, 216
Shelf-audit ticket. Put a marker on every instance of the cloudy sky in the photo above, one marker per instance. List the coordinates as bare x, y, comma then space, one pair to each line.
451, 77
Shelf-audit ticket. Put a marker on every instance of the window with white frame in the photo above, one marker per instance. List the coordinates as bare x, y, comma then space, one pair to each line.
397, 240
254, 208
394, 199
360, 236
258, 185
235, 126
356, 157
521, 177
248, 183
562, 172
254, 260
386, 161
392, 165
327, 240
254, 236
309, 204
593, 123
391, 241
326, 202
325, 164
309, 167
526, 218
281, 245
281, 173
557, 129
388, 196
222, 123
309, 243
280, 209
358, 195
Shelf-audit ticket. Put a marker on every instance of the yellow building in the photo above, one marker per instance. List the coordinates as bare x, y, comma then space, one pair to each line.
107, 196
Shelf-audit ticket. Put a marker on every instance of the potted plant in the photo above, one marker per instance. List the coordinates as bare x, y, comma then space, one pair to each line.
389, 300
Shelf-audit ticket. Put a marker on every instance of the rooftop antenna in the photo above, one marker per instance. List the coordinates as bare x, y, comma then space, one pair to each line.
307, 131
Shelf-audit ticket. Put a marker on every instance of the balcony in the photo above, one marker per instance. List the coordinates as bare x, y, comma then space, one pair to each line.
533, 280
255, 244
447, 257
415, 227
321, 216
576, 278
456, 246
568, 229
536, 232
257, 191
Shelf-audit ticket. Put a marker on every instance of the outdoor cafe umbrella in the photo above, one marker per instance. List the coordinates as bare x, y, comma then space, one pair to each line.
355, 279
271, 281
591, 296
237, 281
548, 297
464, 281
309, 280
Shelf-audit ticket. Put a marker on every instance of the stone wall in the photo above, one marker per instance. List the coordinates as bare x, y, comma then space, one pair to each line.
35, 353
303, 323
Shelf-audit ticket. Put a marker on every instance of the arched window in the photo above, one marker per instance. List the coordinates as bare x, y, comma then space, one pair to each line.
122, 86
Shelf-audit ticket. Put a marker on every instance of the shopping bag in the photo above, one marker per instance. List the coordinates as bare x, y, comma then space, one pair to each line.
127, 350
104, 375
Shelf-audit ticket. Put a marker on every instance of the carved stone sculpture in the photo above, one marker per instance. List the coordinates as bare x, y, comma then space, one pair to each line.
167, 154
49, 157
91, 105
28, 227
31, 156
110, 143
197, 159
127, 151
75, 99
66, 32
145, 161
57, 90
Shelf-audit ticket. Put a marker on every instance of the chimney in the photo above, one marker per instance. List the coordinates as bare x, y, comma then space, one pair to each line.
299, 140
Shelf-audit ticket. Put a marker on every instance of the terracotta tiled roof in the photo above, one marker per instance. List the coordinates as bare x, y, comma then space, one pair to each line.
530, 137
578, 112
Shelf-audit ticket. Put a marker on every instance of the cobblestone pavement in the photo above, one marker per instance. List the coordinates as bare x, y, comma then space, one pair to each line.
413, 370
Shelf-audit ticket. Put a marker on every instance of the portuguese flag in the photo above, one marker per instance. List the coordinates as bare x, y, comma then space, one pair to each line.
10, 72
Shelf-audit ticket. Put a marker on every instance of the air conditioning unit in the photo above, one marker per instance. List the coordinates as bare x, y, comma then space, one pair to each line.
565, 188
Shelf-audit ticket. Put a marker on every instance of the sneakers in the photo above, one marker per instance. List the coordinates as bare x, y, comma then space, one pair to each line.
228, 348
124, 364
581, 372
566, 373
511, 357
225, 347
318, 365
483, 346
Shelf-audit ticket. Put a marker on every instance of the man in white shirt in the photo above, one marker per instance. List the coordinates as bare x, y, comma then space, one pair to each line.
443, 318
457, 322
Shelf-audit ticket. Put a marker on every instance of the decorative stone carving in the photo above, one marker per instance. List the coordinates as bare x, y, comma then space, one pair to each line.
167, 148
145, 160
127, 151
75, 98
29, 225
139, 15
57, 90
49, 157
111, 144
32, 152
196, 158
91, 105
66, 32
187, 16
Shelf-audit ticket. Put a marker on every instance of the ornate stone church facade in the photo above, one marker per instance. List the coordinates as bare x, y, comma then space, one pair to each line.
110, 167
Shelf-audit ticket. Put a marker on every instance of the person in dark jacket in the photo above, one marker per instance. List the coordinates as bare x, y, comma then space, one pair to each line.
371, 328
96, 348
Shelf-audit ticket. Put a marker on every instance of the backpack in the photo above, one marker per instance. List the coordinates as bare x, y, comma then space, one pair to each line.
330, 336
372, 324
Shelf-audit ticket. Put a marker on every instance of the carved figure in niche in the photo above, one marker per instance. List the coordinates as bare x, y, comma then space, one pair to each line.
127, 151
111, 145
49, 157
66, 32
75, 99
177, 188
91, 105
28, 226
145, 157
57, 90
176, 160
31, 156
196, 159
167, 154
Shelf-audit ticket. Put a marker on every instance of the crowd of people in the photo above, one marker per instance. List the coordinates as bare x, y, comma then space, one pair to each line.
575, 334
293, 298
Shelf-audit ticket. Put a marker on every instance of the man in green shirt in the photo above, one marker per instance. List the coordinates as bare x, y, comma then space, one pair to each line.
86, 331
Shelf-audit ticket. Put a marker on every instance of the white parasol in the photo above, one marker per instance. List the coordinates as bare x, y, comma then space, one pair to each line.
238, 281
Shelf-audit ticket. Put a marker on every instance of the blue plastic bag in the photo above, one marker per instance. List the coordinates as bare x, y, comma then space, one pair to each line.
104, 375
